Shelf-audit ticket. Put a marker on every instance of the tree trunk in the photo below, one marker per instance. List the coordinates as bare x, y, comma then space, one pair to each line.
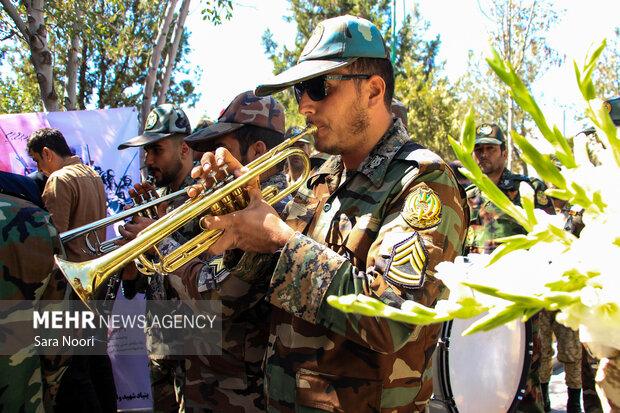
508, 129
35, 35
149, 82
73, 61
172, 52
40, 55
72, 72
83, 83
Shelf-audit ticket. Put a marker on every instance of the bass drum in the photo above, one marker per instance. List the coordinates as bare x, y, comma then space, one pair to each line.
482, 372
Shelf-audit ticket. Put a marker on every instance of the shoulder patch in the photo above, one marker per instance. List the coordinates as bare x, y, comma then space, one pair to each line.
408, 263
541, 198
422, 208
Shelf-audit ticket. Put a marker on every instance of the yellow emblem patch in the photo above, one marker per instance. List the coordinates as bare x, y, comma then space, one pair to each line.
408, 263
542, 198
422, 208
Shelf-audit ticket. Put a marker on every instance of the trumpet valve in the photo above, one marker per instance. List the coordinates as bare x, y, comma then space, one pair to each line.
240, 197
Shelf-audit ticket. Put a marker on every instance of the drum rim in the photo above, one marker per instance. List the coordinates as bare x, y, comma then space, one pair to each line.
444, 367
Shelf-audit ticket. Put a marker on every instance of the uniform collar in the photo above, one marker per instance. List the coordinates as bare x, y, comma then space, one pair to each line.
507, 180
375, 165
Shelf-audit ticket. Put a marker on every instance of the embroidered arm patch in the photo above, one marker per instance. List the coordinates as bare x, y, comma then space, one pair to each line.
422, 208
211, 274
408, 263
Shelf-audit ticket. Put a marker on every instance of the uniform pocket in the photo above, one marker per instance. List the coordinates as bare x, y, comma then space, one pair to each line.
338, 394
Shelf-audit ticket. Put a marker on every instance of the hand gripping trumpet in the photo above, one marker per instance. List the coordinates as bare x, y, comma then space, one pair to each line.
90, 277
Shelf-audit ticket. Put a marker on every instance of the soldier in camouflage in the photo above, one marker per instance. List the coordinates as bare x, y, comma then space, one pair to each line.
375, 219
233, 381
488, 223
28, 242
169, 161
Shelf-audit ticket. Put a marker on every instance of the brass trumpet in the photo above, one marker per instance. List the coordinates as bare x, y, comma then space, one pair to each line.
98, 247
90, 277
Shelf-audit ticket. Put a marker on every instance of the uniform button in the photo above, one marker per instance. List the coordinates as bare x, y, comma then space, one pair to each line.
327, 207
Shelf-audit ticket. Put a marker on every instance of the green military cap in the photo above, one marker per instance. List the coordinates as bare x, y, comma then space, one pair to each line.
489, 133
163, 121
334, 43
613, 108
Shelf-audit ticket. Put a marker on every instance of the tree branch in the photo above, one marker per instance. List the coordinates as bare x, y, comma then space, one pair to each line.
14, 15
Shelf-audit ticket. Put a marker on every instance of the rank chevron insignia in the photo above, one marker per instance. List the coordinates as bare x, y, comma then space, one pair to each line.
217, 264
422, 208
408, 263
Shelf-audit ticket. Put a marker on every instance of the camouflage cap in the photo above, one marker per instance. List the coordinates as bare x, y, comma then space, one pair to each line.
245, 109
163, 121
334, 43
399, 110
613, 108
489, 133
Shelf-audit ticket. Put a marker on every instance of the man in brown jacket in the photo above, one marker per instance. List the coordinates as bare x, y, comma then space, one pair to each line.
74, 195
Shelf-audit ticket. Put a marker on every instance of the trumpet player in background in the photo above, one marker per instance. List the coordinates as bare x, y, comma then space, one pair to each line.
375, 219
169, 161
232, 381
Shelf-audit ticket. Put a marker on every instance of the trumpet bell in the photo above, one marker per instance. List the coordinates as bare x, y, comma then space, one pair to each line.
83, 277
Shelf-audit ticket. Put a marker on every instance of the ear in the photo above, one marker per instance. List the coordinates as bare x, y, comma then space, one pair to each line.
505, 155
185, 151
376, 90
47, 153
257, 149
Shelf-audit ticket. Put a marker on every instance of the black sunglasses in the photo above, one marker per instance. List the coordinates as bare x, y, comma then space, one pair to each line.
316, 86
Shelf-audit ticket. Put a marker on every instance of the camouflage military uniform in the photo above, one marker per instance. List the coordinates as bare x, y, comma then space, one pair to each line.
28, 383
232, 381
355, 228
569, 350
487, 224
569, 346
167, 372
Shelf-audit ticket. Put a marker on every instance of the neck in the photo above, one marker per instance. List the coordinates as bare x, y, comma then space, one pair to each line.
378, 126
495, 176
176, 185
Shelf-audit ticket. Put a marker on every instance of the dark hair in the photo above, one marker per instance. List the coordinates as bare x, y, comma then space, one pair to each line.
250, 134
51, 139
377, 66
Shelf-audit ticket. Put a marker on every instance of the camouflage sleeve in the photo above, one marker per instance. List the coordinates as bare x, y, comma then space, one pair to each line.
58, 196
399, 266
29, 243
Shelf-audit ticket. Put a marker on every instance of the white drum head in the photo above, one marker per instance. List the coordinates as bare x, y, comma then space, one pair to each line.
485, 369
